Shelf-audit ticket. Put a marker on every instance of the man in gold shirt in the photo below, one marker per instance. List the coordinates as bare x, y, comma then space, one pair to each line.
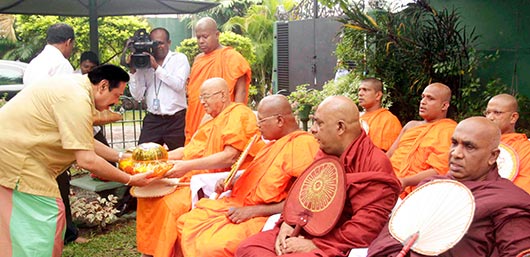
45, 129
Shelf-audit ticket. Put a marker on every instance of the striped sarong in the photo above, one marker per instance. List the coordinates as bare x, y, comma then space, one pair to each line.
30, 225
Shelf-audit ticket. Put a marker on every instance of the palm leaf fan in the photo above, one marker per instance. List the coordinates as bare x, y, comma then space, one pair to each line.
433, 218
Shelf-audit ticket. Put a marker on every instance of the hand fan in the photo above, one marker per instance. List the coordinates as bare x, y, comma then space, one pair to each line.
237, 164
508, 162
433, 218
316, 198
157, 188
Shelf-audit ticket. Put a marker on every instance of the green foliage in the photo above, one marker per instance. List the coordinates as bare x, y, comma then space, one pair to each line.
240, 43
304, 96
347, 85
113, 32
3, 100
410, 49
523, 123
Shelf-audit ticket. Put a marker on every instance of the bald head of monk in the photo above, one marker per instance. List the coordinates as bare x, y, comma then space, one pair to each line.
434, 102
336, 124
275, 117
474, 149
502, 110
214, 96
207, 35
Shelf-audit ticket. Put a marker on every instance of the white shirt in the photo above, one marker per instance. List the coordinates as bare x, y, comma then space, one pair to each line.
167, 83
48, 63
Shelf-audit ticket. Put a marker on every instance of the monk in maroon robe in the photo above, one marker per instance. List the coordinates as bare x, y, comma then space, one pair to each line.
501, 224
372, 190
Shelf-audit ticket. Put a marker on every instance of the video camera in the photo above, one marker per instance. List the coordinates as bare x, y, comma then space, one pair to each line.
139, 44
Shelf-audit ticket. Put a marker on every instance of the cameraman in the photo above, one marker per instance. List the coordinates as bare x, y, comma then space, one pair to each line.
163, 85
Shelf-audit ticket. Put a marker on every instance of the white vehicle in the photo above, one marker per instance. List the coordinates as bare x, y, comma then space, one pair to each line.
11, 74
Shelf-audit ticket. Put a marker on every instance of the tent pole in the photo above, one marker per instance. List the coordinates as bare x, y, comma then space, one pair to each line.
93, 23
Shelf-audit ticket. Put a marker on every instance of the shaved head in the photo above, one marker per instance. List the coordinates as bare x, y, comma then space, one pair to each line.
207, 35
214, 96
507, 101
275, 104
502, 110
275, 117
206, 23
336, 124
443, 91
435, 101
474, 149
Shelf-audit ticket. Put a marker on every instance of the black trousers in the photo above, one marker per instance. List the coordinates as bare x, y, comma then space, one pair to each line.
164, 129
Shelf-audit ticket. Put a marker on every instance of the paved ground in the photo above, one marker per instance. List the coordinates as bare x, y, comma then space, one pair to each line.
122, 136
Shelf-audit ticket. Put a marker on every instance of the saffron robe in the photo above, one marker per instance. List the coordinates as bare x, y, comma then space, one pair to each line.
383, 127
224, 63
500, 226
423, 147
372, 190
207, 231
156, 218
519, 142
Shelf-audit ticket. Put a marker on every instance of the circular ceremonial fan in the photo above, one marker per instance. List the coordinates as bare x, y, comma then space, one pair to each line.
433, 218
316, 198
507, 162
157, 188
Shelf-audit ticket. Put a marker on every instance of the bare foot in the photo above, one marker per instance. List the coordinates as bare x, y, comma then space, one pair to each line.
81, 240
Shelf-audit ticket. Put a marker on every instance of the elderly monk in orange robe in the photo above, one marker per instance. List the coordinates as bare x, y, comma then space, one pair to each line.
216, 227
215, 147
502, 110
422, 147
372, 190
215, 60
501, 222
380, 124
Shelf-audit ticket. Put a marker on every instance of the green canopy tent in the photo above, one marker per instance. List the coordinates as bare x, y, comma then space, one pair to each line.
99, 8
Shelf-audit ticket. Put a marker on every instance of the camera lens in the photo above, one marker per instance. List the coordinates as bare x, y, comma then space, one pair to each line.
141, 61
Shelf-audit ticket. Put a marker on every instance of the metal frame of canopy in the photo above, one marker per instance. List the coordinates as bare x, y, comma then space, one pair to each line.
100, 8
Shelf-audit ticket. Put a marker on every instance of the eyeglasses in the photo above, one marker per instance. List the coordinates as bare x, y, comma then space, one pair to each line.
495, 113
268, 118
206, 97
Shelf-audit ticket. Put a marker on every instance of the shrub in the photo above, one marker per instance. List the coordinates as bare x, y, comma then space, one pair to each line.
240, 43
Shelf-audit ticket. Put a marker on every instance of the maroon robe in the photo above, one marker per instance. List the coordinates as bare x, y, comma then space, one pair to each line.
372, 191
500, 227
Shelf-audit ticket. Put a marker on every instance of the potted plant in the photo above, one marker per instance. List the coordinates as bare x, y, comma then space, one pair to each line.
304, 100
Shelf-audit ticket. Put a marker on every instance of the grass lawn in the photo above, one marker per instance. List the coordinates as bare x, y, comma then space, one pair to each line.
118, 239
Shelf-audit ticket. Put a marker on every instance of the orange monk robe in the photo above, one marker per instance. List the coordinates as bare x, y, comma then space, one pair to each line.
519, 142
383, 127
224, 63
423, 147
156, 218
207, 231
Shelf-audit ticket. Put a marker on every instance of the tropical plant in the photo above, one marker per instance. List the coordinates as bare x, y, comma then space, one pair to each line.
240, 43
113, 32
413, 48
